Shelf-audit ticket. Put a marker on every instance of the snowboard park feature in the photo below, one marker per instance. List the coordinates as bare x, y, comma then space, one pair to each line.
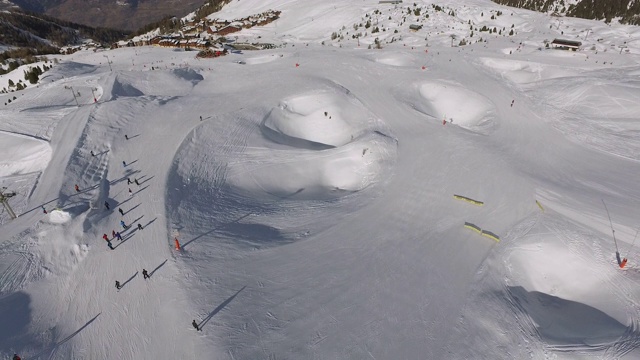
329, 200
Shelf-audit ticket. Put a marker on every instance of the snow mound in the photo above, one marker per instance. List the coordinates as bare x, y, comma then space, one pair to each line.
60, 253
508, 50
59, 217
319, 175
21, 154
602, 99
71, 69
523, 72
459, 105
393, 58
296, 152
600, 113
553, 283
319, 118
175, 82
564, 322
558, 290
122, 88
263, 59
188, 74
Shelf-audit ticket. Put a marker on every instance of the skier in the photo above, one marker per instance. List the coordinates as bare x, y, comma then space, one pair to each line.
512, 101
145, 274
136, 181
200, 117
118, 286
139, 226
128, 181
130, 192
124, 226
77, 188
124, 163
16, 357
121, 211
105, 237
106, 204
44, 210
92, 154
126, 136
109, 245
119, 236
195, 325
113, 234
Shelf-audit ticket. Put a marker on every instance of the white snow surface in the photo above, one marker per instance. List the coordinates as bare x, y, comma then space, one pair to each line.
311, 188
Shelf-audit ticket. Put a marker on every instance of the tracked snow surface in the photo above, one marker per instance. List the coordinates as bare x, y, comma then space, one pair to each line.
311, 188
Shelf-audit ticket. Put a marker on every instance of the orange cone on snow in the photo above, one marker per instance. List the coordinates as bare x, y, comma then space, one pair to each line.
177, 244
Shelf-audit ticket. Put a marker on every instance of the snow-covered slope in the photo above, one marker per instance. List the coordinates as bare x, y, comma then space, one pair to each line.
311, 189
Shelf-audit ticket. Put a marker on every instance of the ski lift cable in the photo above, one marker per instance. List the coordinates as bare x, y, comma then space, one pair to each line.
611, 224
633, 242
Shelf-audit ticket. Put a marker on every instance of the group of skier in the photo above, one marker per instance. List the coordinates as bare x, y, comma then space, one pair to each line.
116, 234
145, 275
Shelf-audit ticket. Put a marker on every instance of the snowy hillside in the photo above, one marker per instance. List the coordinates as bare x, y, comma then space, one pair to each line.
418, 201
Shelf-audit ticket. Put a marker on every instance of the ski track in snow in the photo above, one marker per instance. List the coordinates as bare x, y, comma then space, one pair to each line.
314, 200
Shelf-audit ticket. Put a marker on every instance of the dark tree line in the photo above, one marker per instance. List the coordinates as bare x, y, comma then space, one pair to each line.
15, 26
169, 24
210, 7
627, 10
28, 54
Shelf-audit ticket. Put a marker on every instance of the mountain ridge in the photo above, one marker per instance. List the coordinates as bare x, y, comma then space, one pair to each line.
122, 14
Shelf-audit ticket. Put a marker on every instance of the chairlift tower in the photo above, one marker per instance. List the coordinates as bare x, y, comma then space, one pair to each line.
4, 199
108, 62
73, 92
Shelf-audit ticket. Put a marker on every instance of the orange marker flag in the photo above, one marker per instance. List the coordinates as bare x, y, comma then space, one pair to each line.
623, 263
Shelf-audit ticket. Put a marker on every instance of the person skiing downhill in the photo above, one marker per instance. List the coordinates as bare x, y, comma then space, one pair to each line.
92, 153
77, 188
109, 245
106, 204
16, 357
105, 237
119, 236
136, 181
44, 210
145, 274
118, 286
139, 226
128, 181
124, 226
121, 211
113, 234
126, 136
195, 325
124, 163
130, 192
